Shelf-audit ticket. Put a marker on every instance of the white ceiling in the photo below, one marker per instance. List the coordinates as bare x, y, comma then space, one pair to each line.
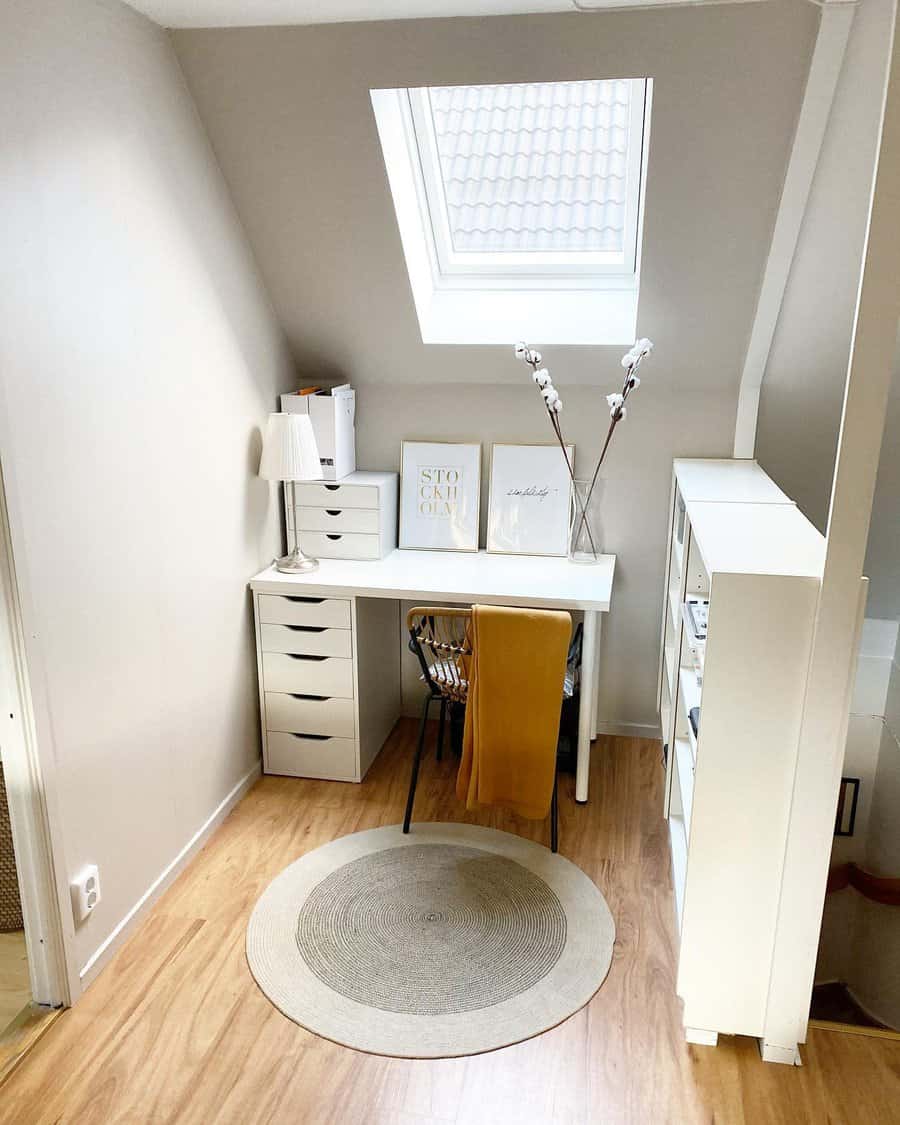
253, 13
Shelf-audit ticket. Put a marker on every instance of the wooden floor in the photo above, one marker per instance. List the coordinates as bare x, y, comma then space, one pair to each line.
15, 993
175, 1030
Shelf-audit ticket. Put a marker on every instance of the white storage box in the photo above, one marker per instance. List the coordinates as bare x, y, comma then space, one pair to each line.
353, 519
332, 412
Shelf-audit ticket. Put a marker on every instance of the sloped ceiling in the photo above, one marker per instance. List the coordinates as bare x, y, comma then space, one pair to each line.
288, 111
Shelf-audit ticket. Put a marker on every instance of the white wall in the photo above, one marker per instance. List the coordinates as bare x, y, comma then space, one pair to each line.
289, 114
636, 481
138, 357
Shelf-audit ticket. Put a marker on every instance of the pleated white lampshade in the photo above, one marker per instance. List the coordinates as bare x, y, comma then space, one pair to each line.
289, 449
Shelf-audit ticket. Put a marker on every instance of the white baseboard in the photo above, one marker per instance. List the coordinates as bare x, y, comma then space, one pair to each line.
101, 956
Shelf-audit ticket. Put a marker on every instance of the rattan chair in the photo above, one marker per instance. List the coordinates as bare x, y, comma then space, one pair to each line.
441, 639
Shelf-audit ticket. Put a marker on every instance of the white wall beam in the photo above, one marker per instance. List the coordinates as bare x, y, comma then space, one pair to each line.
824, 71
832, 662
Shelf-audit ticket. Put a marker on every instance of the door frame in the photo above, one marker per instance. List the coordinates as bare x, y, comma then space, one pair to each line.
30, 788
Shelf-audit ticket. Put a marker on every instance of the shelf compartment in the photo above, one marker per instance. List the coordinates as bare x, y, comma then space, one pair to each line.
675, 608
684, 765
678, 555
690, 698
678, 848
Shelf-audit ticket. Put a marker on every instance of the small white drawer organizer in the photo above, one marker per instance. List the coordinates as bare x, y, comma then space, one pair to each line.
329, 682
353, 518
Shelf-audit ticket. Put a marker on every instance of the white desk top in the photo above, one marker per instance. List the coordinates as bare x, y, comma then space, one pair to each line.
451, 576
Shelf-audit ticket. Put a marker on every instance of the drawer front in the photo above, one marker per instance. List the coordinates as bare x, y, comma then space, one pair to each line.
299, 715
278, 609
322, 545
308, 675
296, 755
309, 640
363, 520
312, 494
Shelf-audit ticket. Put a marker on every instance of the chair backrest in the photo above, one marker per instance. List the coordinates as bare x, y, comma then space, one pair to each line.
441, 638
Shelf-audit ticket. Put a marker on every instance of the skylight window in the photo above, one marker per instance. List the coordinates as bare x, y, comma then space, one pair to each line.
516, 195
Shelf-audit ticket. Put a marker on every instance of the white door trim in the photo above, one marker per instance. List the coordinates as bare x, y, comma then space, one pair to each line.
27, 788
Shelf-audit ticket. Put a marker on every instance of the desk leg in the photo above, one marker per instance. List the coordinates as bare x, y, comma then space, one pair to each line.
586, 706
595, 710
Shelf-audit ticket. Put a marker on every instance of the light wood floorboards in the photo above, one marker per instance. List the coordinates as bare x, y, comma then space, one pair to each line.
175, 1030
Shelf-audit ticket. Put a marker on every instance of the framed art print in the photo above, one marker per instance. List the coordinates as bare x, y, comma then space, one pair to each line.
528, 511
440, 491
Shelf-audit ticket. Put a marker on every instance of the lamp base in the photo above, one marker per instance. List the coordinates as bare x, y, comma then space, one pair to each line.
296, 563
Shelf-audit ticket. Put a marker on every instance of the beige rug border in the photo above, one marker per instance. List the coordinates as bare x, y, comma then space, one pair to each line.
283, 976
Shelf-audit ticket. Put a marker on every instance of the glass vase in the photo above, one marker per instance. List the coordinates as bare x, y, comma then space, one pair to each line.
584, 529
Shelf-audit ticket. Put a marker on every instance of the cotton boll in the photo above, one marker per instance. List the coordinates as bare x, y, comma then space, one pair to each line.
542, 377
521, 349
557, 406
615, 401
635, 382
535, 358
550, 395
628, 359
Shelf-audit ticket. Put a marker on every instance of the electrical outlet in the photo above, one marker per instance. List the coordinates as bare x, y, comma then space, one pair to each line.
85, 889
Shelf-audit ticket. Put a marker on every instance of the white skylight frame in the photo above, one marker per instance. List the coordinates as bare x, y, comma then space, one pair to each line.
449, 263
551, 304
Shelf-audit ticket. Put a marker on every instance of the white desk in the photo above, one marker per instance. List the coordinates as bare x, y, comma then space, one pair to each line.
444, 576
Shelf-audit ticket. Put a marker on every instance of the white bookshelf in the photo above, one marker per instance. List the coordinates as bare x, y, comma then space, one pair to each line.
737, 541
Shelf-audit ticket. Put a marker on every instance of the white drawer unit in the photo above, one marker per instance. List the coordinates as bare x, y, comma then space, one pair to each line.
335, 545
309, 714
307, 640
353, 518
278, 609
329, 681
323, 756
308, 675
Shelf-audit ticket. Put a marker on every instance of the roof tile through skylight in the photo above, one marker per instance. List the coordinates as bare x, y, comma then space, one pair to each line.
534, 167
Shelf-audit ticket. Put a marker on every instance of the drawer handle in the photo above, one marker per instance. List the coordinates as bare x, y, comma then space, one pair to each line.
329, 535
303, 656
333, 511
317, 698
313, 737
307, 601
332, 487
306, 628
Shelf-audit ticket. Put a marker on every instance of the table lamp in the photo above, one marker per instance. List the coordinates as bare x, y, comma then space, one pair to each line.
290, 453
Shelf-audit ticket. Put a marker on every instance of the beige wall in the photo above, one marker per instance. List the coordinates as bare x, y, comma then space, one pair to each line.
803, 390
289, 116
138, 356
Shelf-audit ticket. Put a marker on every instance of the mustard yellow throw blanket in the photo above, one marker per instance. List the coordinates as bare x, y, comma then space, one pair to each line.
512, 714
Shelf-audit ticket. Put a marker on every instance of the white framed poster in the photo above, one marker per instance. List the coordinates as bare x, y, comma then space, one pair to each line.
528, 511
440, 493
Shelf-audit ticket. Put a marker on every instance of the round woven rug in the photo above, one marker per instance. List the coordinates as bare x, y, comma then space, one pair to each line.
449, 941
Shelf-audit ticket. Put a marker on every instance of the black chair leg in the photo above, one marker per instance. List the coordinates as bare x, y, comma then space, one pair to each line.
554, 817
440, 744
413, 781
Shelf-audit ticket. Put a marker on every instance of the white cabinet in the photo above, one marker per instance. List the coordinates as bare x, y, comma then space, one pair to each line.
737, 543
329, 682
